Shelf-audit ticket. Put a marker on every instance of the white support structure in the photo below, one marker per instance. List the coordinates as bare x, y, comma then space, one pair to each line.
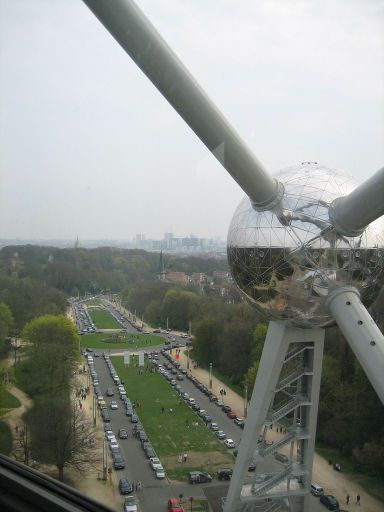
286, 394
363, 335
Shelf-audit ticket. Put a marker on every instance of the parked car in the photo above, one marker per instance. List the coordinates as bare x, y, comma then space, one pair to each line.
109, 392
229, 443
155, 463
123, 434
130, 504
125, 487
199, 477
316, 490
150, 452
330, 502
224, 474
113, 444
239, 422
160, 473
231, 415
213, 426
113, 405
281, 458
220, 434
134, 418
174, 505
118, 461
105, 416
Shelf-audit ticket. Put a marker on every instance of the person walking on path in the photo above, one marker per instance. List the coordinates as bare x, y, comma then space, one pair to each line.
358, 499
347, 499
185, 457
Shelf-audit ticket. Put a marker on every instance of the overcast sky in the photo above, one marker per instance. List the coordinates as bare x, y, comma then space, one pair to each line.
89, 147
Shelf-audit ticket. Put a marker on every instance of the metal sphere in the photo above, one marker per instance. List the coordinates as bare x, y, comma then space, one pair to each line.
286, 261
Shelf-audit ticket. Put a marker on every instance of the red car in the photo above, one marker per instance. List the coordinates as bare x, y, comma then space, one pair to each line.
231, 415
174, 505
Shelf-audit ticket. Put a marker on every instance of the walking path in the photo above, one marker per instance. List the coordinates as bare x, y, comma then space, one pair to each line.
92, 485
338, 484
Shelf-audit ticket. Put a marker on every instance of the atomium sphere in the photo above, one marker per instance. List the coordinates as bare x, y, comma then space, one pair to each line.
286, 261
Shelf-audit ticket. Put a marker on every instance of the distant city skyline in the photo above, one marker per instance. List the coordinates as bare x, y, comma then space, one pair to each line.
168, 243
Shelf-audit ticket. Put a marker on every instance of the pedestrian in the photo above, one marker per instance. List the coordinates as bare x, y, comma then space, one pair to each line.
162, 409
139, 485
358, 499
180, 458
347, 499
185, 457
17, 428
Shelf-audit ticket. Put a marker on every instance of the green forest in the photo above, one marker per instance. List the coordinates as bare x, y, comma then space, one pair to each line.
227, 331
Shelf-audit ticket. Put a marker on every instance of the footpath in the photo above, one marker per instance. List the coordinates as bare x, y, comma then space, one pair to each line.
323, 474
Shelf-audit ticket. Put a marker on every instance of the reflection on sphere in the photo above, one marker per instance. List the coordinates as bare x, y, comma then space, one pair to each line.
287, 266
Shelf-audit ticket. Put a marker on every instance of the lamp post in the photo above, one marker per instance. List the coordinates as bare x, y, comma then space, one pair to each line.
104, 460
210, 375
245, 401
94, 410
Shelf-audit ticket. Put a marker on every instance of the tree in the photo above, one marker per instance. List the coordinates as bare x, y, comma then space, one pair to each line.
205, 344
60, 434
6, 323
259, 335
53, 354
179, 306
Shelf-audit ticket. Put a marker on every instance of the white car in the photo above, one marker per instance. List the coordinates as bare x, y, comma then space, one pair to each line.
110, 436
114, 405
229, 443
113, 444
160, 473
155, 463
214, 426
130, 504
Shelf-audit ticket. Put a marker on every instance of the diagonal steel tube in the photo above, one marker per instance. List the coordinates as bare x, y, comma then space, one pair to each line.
132, 30
351, 214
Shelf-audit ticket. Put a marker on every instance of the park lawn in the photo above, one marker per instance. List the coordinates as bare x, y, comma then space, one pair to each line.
93, 302
102, 340
5, 438
10, 401
172, 433
103, 319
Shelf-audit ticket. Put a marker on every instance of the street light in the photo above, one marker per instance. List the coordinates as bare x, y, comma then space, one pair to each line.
94, 410
245, 401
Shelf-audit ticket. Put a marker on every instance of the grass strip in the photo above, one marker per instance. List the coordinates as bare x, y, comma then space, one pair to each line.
9, 401
103, 319
171, 433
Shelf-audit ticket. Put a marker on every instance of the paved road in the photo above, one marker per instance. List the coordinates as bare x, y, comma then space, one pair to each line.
155, 493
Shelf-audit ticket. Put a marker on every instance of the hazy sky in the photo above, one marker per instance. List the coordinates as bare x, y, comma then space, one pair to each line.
89, 147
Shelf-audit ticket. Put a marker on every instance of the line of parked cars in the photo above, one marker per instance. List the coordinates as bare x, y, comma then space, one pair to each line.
137, 428
83, 320
327, 500
174, 368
